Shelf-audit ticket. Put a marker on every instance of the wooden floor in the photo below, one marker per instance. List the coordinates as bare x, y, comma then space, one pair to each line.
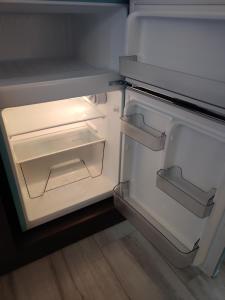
115, 264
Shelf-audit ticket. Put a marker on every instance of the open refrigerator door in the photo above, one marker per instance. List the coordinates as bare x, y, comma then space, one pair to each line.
173, 146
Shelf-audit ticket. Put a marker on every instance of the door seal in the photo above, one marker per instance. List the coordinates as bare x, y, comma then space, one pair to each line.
205, 112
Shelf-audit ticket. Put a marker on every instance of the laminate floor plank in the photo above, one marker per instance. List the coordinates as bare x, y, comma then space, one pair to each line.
114, 233
6, 288
136, 282
64, 279
91, 273
157, 268
115, 264
187, 274
206, 289
202, 286
36, 281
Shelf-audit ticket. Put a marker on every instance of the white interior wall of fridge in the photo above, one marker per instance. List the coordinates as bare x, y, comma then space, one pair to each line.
30, 36
194, 144
48, 55
61, 154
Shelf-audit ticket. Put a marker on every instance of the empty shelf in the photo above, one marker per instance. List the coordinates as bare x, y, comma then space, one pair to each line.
171, 182
40, 80
180, 256
135, 127
24, 71
45, 145
31, 118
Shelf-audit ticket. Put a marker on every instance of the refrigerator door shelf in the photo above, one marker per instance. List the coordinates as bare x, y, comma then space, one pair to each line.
171, 182
177, 254
135, 127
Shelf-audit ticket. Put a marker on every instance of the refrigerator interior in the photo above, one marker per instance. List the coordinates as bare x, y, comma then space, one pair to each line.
61, 153
52, 51
172, 161
174, 181
60, 52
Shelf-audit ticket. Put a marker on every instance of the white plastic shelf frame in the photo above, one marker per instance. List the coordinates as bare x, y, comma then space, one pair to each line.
49, 144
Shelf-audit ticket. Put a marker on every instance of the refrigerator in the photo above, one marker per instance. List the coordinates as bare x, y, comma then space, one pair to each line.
97, 102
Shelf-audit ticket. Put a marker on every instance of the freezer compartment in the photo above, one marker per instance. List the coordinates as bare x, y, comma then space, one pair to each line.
50, 55
172, 182
174, 251
135, 127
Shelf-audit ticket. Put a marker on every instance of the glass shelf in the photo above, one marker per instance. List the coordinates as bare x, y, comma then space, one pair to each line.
179, 255
135, 127
171, 182
31, 118
48, 144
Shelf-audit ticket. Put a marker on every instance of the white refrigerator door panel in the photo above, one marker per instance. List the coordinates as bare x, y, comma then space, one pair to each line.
194, 144
179, 49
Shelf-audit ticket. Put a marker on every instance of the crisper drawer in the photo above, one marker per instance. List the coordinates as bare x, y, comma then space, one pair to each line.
170, 175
